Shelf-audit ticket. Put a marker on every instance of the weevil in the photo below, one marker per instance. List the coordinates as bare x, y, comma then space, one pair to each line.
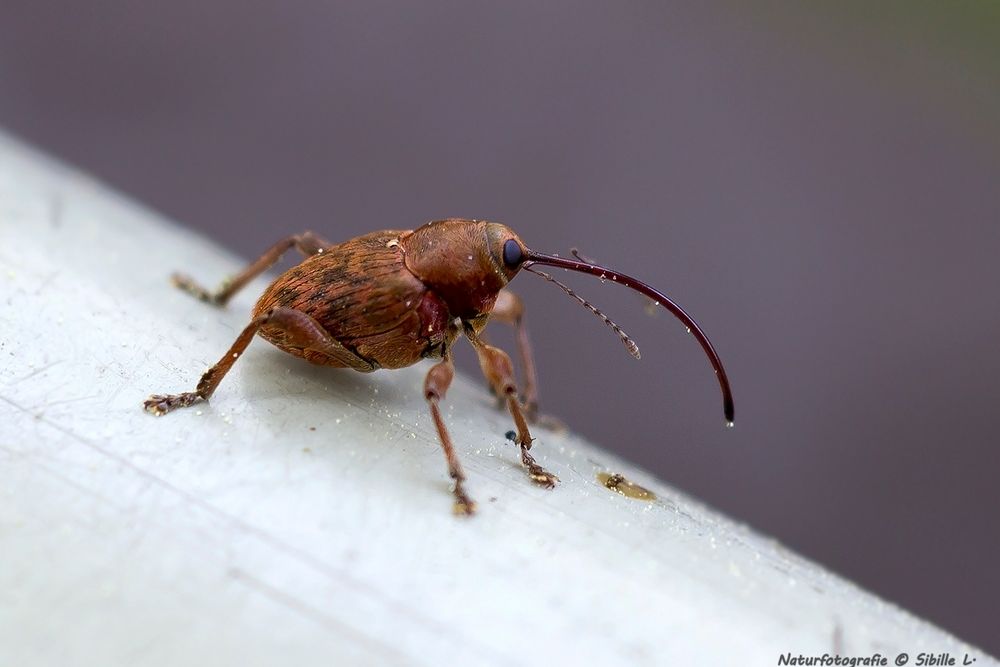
392, 298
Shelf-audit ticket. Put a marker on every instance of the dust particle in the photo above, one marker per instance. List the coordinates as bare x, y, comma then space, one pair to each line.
617, 482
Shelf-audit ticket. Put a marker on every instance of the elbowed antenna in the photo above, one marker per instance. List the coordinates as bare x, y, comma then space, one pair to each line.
627, 341
532, 257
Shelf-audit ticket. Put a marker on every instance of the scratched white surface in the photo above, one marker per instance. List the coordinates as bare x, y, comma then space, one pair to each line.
303, 517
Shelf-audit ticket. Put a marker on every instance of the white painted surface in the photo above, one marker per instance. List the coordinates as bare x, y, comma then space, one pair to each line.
235, 534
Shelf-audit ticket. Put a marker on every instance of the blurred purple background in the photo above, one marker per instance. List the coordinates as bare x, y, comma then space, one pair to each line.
819, 187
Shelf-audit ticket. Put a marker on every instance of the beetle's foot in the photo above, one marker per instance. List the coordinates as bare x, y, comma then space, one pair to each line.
160, 404
537, 473
188, 285
464, 506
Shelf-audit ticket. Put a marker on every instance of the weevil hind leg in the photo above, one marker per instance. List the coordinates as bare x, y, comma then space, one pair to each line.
499, 371
294, 328
436, 385
307, 243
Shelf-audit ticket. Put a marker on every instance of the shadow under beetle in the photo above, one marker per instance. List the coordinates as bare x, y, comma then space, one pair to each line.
391, 298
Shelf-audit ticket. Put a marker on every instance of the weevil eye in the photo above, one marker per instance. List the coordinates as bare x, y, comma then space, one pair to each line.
512, 255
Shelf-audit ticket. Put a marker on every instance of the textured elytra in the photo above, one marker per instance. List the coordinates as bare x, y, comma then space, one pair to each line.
362, 294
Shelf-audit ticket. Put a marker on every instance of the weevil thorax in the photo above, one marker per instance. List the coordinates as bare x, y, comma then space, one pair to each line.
462, 261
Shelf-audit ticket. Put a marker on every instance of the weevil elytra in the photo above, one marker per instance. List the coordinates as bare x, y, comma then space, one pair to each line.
391, 298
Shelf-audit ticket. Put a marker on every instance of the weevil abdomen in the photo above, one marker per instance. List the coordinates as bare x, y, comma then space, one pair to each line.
363, 295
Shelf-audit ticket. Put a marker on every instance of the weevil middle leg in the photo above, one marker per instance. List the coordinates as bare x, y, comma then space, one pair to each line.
307, 243
436, 385
499, 371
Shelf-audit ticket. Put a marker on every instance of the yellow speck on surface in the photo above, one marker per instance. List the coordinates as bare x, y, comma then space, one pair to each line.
617, 482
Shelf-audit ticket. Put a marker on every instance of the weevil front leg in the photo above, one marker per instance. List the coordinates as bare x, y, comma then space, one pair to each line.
296, 330
509, 309
499, 370
307, 243
435, 387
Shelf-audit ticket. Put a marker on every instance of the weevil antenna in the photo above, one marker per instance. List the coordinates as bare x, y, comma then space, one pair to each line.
532, 257
630, 345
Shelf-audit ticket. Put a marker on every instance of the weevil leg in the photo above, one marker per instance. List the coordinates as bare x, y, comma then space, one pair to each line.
293, 327
499, 370
509, 309
435, 387
307, 243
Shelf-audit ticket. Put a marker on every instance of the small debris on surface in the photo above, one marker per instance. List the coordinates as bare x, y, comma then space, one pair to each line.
618, 483
510, 435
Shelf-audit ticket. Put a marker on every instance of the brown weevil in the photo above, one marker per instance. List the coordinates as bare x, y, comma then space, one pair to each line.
391, 298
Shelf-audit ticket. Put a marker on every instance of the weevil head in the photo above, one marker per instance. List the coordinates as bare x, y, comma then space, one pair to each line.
465, 262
